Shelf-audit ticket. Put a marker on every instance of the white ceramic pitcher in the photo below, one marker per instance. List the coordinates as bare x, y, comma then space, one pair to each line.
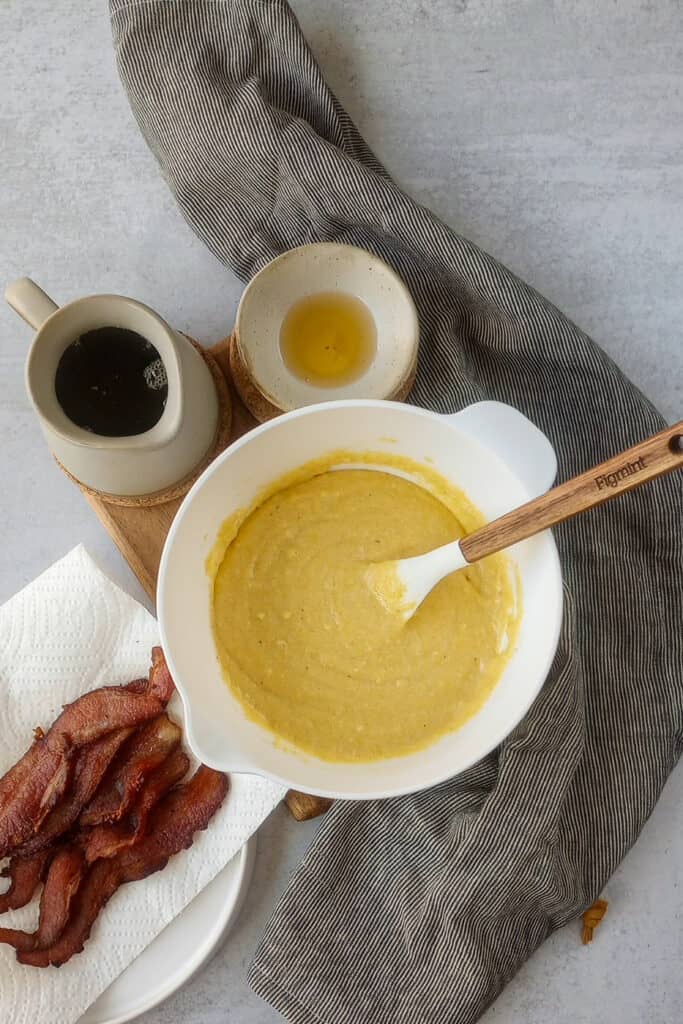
141, 463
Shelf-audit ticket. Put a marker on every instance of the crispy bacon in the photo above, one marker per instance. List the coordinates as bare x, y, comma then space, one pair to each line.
161, 684
158, 684
17, 774
61, 885
101, 711
107, 840
173, 823
141, 756
47, 770
96, 890
25, 875
91, 764
34, 786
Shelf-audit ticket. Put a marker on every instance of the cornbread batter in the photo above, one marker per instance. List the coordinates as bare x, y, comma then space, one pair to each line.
309, 650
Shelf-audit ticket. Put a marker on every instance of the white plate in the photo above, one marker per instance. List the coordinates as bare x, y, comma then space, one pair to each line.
181, 949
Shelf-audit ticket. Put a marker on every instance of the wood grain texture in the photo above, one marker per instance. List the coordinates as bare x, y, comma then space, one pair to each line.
259, 404
139, 532
654, 457
304, 807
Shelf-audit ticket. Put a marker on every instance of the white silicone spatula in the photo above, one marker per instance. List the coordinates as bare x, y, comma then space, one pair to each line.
403, 585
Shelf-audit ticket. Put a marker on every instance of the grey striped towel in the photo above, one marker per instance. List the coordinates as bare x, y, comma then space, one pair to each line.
418, 910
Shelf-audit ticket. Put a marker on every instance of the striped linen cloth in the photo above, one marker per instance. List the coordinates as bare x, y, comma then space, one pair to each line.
418, 910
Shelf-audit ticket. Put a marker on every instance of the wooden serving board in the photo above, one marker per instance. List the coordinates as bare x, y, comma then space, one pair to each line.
139, 531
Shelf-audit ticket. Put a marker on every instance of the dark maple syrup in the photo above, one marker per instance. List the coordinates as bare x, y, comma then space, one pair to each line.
111, 381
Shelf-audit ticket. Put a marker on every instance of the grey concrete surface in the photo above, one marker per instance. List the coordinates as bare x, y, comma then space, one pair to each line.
549, 133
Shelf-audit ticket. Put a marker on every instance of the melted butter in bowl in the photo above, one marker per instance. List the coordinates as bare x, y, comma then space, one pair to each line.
306, 647
328, 339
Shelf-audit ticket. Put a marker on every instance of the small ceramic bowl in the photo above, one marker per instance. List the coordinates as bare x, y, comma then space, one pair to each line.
263, 380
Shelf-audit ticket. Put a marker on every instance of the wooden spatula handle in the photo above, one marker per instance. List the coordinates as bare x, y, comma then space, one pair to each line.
645, 461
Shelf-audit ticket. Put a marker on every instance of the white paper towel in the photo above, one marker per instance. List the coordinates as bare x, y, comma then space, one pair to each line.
69, 631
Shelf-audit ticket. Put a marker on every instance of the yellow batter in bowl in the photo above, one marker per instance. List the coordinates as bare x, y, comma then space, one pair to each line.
307, 648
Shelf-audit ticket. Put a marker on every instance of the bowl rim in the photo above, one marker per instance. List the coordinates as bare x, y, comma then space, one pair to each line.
552, 632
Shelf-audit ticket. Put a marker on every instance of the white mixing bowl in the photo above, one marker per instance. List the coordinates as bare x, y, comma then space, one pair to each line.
489, 450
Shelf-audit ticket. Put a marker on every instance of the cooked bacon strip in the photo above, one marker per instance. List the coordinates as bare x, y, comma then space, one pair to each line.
173, 823
14, 778
107, 840
161, 684
34, 786
158, 684
141, 756
25, 875
91, 764
101, 711
96, 890
46, 776
61, 885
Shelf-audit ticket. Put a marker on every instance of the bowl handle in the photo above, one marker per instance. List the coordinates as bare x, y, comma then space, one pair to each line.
514, 438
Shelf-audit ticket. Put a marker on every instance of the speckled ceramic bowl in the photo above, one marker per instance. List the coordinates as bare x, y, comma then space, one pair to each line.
263, 380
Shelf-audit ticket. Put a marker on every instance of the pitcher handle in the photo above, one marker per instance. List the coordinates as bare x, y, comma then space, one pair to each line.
30, 302
518, 442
